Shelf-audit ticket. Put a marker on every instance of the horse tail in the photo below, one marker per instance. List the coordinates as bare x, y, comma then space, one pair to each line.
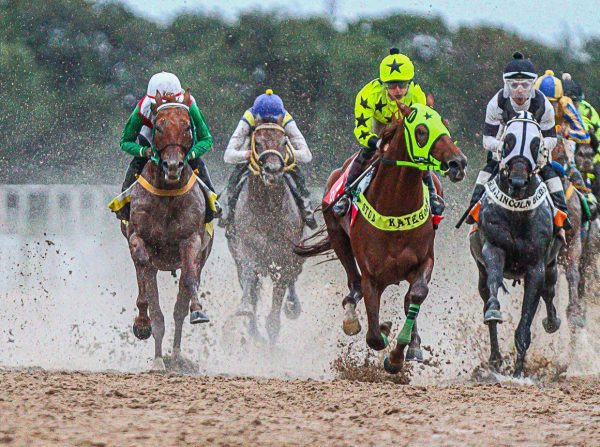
320, 246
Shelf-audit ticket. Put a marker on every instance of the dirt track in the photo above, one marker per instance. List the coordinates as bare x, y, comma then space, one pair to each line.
39, 408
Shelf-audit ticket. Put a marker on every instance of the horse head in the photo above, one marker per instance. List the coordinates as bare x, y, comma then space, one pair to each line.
426, 140
585, 155
172, 134
521, 148
270, 152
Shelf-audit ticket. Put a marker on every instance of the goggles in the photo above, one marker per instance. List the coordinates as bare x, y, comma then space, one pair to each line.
394, 84
514, 84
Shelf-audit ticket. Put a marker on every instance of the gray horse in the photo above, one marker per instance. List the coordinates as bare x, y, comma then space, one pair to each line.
515, 238
266, 225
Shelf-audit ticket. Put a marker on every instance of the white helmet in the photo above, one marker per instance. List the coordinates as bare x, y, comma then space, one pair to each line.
164, 82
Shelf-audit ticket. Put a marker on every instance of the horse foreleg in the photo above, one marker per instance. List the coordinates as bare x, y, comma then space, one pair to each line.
158, 322
191, 255
292, 307
534, 280
575, 312
340, 242
494, 258
249, 283
495, 360
274, 318
372, 291
142, 328
551, 323
409, 335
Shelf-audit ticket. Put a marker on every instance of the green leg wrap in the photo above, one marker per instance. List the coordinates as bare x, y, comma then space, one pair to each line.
385, 339
405, 334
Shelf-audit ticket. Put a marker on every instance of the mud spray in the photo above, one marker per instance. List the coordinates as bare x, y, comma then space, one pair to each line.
68, 301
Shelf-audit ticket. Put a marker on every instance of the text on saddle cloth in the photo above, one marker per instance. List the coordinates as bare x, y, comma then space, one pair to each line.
493, 192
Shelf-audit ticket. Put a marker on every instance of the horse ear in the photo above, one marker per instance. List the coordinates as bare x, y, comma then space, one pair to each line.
158, 98
187, 97
404, 109
430, 101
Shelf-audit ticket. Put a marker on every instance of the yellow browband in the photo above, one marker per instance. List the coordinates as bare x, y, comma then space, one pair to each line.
289, 161
167, 192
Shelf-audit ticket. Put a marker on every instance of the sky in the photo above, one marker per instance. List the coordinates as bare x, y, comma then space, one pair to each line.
546, 20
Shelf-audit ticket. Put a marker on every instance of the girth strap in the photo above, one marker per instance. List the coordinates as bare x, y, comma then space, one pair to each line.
167, 192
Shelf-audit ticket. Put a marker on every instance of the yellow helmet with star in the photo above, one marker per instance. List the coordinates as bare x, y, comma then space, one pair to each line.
396, 67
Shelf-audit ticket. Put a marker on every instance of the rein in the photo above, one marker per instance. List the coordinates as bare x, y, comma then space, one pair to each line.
288, 161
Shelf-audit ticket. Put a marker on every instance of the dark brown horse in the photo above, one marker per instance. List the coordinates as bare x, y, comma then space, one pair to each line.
166, 230
388, 257
570, 254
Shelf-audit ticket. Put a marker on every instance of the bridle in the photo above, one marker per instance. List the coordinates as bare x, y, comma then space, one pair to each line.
257, 160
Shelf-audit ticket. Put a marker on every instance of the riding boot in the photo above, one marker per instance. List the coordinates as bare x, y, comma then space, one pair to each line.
303, 203
133, 171
552, 180
436, 202
356, 168
304, 198
234, 189
485, 175
198, 165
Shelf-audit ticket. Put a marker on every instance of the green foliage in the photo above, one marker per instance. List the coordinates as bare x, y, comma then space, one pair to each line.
71, 71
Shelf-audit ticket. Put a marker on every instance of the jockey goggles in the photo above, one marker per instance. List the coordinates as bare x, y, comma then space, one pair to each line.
394, 84
520, 88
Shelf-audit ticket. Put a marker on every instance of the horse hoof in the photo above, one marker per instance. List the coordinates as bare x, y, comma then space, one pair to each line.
292, 309
414, 355
389, 367
198, 316
492, 316
244, 310
551, 326
142, 332
158, 365
351, 327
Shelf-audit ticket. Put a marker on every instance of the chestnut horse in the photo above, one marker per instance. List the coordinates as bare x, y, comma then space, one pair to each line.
166, 230
388, 257
569, 256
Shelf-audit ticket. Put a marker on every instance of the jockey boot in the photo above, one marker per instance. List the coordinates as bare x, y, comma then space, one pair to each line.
302, 196
436, 202
198, 166
234, 187
552, 180
342, 206
133, 171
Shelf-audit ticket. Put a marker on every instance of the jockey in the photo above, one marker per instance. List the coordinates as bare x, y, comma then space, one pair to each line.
588, 114
136, 139
519, 95
374, 107
269, 108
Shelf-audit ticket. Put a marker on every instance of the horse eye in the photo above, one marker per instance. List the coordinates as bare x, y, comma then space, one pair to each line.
188, 128
421, 135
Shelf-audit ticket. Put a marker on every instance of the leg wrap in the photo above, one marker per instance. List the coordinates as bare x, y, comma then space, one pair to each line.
405, 335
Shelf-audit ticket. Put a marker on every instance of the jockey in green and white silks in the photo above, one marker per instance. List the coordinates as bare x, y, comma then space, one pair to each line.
374, 107
136, 139
269, 108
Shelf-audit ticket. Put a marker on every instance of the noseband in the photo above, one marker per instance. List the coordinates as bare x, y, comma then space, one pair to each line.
257, 160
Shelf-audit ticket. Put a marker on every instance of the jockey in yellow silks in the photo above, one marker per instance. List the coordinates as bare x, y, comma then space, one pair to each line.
374, 108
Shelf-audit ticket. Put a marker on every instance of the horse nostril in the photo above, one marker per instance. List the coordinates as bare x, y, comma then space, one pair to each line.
180, 165
164, 165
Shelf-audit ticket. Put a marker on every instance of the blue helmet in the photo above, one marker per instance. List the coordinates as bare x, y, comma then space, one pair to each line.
269, 106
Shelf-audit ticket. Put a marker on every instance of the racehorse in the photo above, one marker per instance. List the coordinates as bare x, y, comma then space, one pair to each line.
166, 230
266, 225
399, 247
570, 254
585, 156
515, 237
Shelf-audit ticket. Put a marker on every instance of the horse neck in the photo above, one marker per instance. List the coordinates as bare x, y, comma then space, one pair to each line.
265, 198
396, 190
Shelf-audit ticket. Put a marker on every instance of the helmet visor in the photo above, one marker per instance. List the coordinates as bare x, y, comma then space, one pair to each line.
520, 88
